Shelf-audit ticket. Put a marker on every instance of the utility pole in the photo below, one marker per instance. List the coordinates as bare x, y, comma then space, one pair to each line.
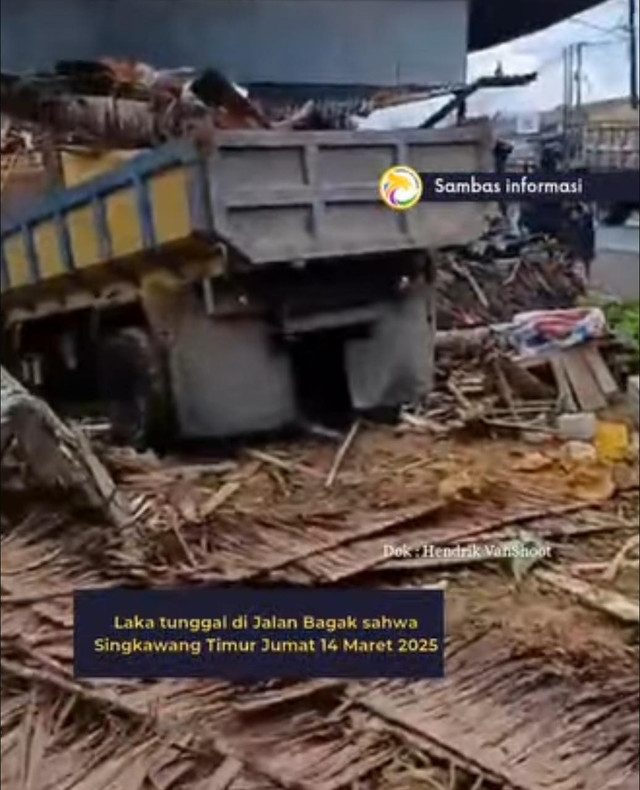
570, 79
578, 76
567, 99
633, 55
578, 130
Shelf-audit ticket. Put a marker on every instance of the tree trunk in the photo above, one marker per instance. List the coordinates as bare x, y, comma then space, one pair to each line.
56, 454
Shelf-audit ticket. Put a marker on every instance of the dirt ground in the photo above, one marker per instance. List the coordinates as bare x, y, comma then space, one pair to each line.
541, 688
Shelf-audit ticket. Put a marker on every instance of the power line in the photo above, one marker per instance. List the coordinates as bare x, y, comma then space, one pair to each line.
604, 42
558, 56
619, 29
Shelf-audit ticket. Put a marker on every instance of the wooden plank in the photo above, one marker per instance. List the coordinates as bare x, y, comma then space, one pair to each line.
585, 387
223, 776
564, 387
608, 601
600, 370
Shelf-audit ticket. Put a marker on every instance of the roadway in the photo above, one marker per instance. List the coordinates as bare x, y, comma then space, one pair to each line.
617, 263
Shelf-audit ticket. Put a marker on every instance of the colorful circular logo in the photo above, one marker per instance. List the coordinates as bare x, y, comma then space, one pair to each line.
400, 188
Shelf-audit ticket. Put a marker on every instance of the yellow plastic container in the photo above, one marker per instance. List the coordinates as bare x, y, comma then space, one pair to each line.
612, 441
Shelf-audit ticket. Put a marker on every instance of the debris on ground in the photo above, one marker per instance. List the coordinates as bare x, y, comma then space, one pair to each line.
542, 687
263, 517
495, 278
610, 602
540, 372
55, 455
453, 476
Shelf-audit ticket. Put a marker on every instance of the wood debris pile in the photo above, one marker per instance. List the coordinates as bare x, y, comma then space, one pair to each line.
122, 104
541, 690
50, 454
268, 516
482, 375
19, 143
495, 278
273, 518
480, 381
130, 104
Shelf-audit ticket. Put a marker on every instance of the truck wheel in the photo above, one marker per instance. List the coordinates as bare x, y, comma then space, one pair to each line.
133, 385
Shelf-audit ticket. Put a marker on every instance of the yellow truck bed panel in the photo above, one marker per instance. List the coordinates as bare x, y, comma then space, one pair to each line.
137, 208
270, 196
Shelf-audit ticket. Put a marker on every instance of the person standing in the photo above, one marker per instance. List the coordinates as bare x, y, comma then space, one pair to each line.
544, 216
501, 152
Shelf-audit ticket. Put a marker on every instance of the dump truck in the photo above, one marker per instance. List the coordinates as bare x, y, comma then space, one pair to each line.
237, 290
599, 146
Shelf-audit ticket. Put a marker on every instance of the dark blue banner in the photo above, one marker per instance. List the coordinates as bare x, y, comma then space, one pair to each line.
608, 187
250, 634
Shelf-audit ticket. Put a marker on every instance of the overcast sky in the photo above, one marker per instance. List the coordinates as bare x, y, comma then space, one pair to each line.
605, 60
605, 68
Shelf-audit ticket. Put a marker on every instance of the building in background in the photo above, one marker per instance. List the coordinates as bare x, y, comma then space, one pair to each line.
311, 46
598, 135
285, 44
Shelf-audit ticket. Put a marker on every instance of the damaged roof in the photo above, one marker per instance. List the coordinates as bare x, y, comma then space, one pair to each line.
308, 49
496, 21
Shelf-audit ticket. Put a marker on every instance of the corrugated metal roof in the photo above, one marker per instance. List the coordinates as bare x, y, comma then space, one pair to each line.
496, 21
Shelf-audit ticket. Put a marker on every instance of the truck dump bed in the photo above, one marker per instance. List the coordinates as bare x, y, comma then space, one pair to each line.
269, 196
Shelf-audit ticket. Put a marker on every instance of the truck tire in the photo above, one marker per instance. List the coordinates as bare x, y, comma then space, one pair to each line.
134, 387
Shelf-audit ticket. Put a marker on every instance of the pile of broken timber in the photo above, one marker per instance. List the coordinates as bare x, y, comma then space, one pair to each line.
282, 523
479, 377
491, 280
582, 376
313, 514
